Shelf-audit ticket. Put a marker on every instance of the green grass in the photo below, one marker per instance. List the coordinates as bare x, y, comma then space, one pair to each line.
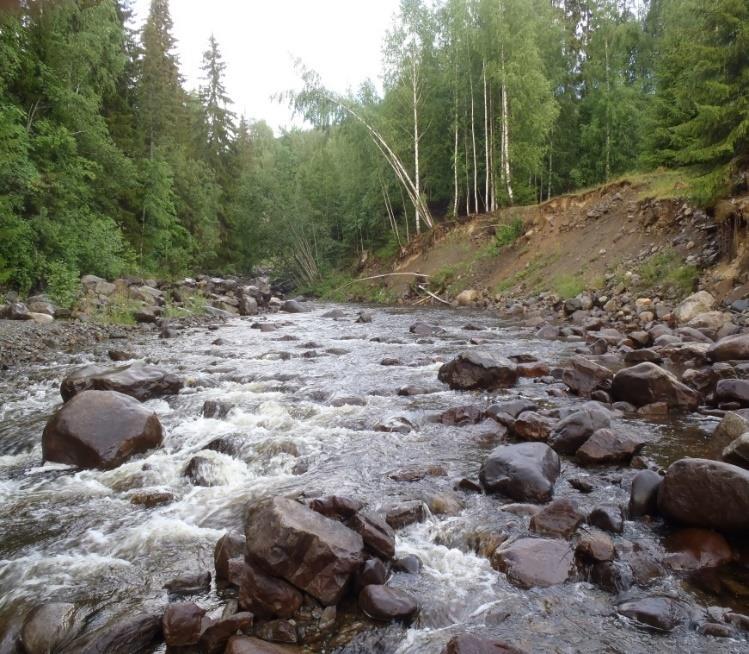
567, 286
667, 269
342, 287
120, 310
194, 304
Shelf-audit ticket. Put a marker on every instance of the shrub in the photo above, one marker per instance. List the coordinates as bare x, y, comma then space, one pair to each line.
508, 233
63, 283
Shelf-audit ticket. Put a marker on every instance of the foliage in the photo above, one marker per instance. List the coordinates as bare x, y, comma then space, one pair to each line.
63, 283
508, 233
567, 286
668, 269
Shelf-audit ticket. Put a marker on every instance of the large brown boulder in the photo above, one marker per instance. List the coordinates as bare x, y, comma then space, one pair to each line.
248, 645
314, 553
137, 380
607, 446
467, 644
478, 371
647, 383
733, 390
586, 376
383, 603
730, 348
100, 429
263, 595
535, 562
572, 431
705, 493
525, 472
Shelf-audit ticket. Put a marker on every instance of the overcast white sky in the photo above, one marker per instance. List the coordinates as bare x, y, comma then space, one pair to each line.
340, 39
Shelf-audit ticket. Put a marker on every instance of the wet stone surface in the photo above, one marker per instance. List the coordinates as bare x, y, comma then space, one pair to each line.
94, 539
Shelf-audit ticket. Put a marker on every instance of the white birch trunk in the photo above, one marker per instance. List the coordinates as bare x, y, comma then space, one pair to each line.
475, 159
415, 99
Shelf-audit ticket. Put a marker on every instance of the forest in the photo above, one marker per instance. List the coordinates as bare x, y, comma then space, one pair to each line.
110, 166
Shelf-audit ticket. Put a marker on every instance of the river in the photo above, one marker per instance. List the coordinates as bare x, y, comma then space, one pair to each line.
307, 399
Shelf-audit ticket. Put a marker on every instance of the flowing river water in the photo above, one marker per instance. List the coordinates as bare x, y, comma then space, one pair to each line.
307, 399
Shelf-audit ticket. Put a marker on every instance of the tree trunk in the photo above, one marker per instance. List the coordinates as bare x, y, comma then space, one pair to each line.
475, 159
487, 174
415, 98
456, 189
506, 134
608, 111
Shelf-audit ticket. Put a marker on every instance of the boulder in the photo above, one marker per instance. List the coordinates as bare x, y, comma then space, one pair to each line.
377, 534
293, 306
559, 519
383, 603
585, 376
595, 547
572, 431
336, 507
248, 645
100, 429
182, 624
732, 390
373, 571
47, 628
711, 321
215, 637
261, 594
138, 633
535, 562
730, 348
532, 426
525, 472
229, 546
643, 495
406, 513
247, 305
424, 329
609, 446
705, 493
737, 451
693, 548
693, 306
189, 584
647, 383
662, 613
468, 298
138, 380
478, 371
732, 425
607, 517
467, 644
314, 553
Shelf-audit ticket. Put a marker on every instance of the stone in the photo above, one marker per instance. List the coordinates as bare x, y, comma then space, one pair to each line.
410, 564
336, 507
215, 637
612, 576
406, 513
694, 305
467, 644
100, 429
609, 446
468, 297
293, 306
595, 547
138, 380
532, 426
642, 356
151, 499
47, 627
204, 471
191, 584
314, 553
705, 493
586, 376
478, 371
248, 645
710, 321
643, 495
647, 383
559, 519
372, 571
737, 451
247, 305
732, 390
385, 604
423, 329
732, 425
462, 415
377, 534
416, 473
694, 548
261, 594
512, 408
535, 562
229, 546
525, 472
279, 631
124, 635
730, 348
662, 613
182, 624
607, 517
572, 431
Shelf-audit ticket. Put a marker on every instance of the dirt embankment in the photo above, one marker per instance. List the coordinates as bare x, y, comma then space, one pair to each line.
624, 231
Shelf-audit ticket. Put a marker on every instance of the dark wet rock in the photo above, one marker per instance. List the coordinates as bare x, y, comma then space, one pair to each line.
377, 534
395, 425
247, 645
586, 376
229, 445
523, 472
647, 383
462, 415
216, 409
203, 471
595, 547
548, 332
334, 313
192, 584
715, 630
643, 496
410, 564
413, 389
136, 634
582, 484
693, 548
261, 594
570, 433
390, 361
423, 329
293, 306
121, 355
247, 305
182, 624
213, 640
100, 429
642, 356
532, 370
48, 627
737, 451
513, 408
654, 411
138, 380
731, 348
607, 517
535, 562
416, 473
310, 551
406, 513
608, 446
559, 519
364, 317
662, 613
467, 644
373, 571
478, 371
229, 546
336, 507
645, 567
468, 485
385, 604
278, 631
532, 426
151, 499
732, 390
704, 493
611, 576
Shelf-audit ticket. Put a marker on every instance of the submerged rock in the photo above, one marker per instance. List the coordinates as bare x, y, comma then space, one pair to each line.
100, 429
138, 380
535, 562
383, 603
661, 613
478, 371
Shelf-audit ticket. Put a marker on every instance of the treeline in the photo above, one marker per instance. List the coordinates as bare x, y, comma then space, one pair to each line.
108, 165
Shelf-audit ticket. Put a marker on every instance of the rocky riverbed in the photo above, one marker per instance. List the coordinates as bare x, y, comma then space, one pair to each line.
354, 480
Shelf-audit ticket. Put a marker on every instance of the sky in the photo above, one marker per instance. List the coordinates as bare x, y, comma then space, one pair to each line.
259, 40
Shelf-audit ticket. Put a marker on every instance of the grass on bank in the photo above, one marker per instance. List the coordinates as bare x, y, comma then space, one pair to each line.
668, 269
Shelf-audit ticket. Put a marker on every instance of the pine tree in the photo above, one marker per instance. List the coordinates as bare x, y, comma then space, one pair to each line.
219, 119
